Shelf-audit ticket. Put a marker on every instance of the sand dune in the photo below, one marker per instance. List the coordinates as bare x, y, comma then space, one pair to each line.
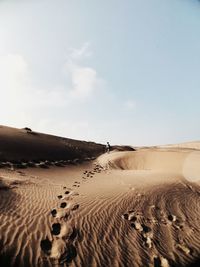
188, 145
179, 162
125, 208
22, 145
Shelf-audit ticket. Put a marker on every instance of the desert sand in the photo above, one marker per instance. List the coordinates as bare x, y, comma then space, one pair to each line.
68, 203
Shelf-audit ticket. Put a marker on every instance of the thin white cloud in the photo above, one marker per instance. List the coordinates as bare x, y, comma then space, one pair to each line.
17, 87
84, 80
18, 91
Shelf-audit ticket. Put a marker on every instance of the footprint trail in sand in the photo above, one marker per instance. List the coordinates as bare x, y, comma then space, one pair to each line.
61, 246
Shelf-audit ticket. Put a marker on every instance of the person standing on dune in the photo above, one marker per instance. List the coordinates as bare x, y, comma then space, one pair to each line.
108, 147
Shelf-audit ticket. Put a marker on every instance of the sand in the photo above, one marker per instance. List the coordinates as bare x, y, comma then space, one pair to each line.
125, 208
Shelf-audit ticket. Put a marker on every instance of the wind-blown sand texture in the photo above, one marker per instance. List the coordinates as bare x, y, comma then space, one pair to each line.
87, 208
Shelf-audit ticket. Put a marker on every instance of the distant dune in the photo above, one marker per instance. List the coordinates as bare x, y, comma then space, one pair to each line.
65, 202
19, 144
191, 145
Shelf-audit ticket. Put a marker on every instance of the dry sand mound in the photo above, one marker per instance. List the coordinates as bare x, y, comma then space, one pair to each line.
25, 145
184, 163
136, 208
188, 145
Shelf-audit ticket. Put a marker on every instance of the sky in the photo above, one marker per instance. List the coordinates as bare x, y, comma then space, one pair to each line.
124, 71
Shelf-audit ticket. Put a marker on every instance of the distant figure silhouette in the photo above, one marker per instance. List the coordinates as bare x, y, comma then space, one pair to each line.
108, 147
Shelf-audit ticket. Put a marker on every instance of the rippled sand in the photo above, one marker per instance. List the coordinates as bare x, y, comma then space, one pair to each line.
135, 208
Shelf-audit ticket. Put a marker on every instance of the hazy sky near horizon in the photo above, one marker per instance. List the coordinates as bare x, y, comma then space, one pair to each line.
120, 71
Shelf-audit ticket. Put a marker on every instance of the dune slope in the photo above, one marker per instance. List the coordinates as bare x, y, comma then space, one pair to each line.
132, 208
23, 144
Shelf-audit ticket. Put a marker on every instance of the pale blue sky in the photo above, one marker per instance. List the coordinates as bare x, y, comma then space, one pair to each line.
123, 71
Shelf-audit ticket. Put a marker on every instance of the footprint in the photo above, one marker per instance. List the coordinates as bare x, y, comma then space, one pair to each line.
56, 227
146, 228
171, 217
75, 207
137, 226
125, 216
160, 262
148, 242
59, 197
63, 205
132, 217
67, 192
75, 233
54, 212
147, 237
179, 224
71, 253
46, 246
